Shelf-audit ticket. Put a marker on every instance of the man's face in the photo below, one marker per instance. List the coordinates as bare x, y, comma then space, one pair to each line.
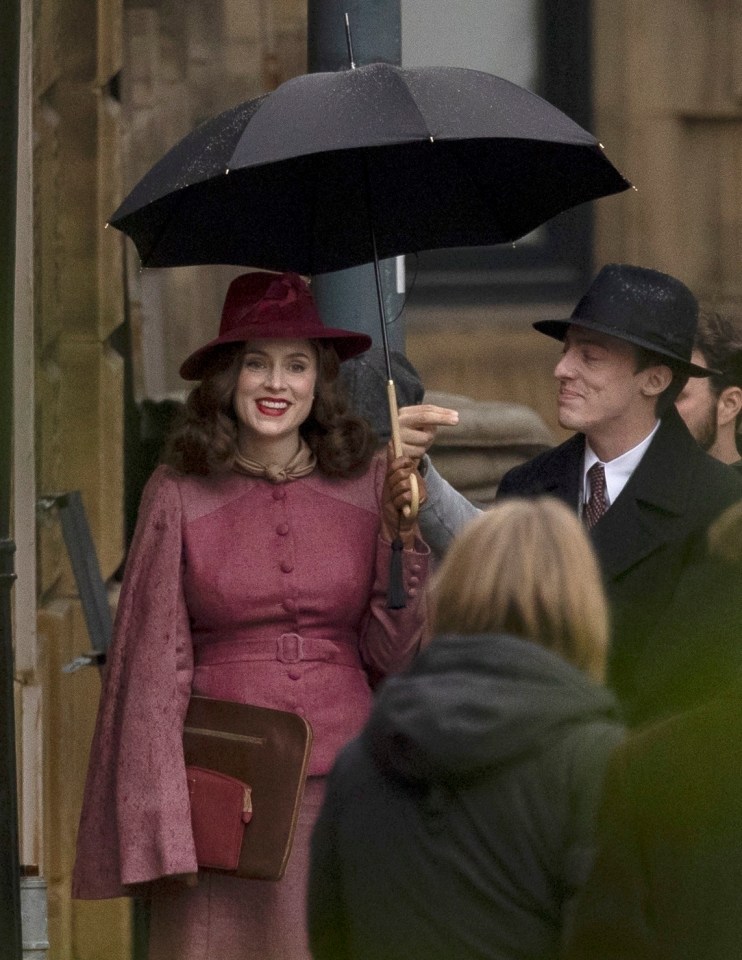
600, 390
697, 405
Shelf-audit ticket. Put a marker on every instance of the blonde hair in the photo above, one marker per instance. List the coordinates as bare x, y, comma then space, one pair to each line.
526, 567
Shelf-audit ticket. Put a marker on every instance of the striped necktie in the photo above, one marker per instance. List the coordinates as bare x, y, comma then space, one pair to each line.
596, 505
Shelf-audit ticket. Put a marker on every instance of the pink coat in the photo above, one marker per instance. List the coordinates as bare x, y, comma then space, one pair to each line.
240, 589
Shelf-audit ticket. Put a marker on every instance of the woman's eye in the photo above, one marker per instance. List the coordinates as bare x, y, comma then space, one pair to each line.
252, 363
297, 368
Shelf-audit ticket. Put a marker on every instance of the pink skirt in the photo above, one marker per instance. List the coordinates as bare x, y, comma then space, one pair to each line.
225, 918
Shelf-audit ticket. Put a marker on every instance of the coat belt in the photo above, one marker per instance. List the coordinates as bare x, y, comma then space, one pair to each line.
286, 648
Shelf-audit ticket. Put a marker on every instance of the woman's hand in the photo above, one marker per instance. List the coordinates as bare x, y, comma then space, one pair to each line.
396, 495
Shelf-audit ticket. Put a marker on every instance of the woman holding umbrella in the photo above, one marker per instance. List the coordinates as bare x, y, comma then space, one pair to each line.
258, 573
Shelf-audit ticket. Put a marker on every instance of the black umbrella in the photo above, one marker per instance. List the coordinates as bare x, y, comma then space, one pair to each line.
332, 170
306, 177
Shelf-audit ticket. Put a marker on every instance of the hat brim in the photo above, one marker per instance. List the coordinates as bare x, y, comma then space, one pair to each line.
557, 329
347, 343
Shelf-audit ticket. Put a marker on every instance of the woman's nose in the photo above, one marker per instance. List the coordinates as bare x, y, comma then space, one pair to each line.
274, 377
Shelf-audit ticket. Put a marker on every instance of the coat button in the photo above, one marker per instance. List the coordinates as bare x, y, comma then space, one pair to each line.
287, 566
279, 493
301, 711
294, 674
413, 581
415, 568
412, 592
289, 606
282, 529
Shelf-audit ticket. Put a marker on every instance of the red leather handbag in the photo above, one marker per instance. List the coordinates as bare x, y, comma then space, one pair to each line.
220, 807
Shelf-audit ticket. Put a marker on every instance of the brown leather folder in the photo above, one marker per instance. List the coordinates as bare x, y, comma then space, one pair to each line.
267, 749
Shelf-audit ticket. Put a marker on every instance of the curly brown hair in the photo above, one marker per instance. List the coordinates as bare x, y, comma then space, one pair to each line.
204, 441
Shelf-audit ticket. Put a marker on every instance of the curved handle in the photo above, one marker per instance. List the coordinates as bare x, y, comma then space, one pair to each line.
410, 512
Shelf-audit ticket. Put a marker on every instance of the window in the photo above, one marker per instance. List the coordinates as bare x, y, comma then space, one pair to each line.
545, 47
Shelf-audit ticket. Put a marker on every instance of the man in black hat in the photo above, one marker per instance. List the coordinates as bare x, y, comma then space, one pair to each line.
645, 489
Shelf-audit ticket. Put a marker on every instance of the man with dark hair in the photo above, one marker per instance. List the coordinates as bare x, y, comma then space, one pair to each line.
632, 470
712, 406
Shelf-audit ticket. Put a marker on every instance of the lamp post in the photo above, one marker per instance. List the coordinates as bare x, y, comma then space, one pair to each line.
348, 298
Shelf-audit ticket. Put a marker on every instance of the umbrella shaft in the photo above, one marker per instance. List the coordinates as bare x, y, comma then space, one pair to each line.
349, 42
382, 311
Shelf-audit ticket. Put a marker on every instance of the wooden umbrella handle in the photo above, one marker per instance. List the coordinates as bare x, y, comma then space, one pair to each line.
411, 510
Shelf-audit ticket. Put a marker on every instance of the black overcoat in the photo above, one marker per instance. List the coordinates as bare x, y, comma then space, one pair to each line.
652, 549
668, 872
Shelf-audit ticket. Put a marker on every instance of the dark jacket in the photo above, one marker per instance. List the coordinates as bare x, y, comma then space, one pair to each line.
459, 825
668, 874
650, 543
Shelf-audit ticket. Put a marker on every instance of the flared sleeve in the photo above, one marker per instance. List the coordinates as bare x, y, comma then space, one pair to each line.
135, 824
390, 639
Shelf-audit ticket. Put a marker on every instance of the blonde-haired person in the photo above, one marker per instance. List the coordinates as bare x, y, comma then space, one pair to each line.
526, 569
460, 823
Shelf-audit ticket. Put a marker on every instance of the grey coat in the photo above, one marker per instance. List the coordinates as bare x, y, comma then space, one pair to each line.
459, 825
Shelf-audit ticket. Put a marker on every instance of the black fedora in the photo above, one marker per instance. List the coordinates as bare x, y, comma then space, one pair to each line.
650, 309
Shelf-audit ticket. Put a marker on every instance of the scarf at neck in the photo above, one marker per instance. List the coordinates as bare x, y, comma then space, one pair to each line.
301, 465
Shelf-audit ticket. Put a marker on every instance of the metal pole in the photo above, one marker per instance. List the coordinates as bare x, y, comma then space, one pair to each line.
10, 905
348, 298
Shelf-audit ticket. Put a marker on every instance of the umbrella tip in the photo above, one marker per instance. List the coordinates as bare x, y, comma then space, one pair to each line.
106, 225
227, 171
349, 42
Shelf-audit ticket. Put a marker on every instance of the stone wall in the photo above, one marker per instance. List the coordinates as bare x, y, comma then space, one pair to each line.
184, 63
668, 105
78, 303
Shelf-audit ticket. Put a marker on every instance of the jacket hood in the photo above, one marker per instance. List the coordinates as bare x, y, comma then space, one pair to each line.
473, 702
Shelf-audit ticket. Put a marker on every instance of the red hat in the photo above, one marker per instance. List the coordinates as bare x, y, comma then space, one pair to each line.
266, 306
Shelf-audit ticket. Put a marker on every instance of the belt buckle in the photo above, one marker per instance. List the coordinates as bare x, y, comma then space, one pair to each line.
290, 648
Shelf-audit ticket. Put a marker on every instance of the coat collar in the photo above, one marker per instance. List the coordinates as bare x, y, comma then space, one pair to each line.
565, 471
646, 512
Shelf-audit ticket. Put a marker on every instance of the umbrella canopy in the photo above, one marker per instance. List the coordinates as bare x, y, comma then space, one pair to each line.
306, 178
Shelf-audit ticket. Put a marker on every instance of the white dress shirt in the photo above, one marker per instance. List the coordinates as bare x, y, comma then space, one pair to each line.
617, 471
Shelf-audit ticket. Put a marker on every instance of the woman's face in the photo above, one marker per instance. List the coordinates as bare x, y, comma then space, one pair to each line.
275, 389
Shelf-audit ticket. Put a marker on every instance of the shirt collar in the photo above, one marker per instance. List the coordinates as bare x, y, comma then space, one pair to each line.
618, 470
